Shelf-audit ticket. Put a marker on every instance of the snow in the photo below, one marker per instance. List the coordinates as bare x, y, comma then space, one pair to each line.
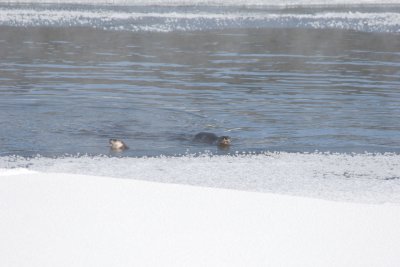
55, 219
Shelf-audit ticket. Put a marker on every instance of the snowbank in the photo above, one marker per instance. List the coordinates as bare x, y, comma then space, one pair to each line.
76, 220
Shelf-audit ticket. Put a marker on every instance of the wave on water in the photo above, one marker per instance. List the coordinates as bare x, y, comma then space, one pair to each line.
167, 18
351, 177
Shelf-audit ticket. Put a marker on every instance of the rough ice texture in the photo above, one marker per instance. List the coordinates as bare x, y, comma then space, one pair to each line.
213, 2
187, 20
351, 177
60, 220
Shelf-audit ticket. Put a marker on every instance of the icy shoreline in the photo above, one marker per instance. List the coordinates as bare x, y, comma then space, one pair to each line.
58, 219
284, 3
365, 178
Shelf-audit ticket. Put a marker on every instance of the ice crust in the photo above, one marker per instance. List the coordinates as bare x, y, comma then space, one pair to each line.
351, 177
193, 19
213, 2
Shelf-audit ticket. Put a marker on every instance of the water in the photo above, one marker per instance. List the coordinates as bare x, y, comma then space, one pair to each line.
70, 89
290, 80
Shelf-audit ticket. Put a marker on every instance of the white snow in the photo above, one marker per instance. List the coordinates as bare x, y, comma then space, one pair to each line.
53, 219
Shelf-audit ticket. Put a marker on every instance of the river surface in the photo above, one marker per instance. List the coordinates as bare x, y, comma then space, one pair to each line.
67, 90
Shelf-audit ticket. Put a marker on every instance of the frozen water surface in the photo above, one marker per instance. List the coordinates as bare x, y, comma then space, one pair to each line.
373, 178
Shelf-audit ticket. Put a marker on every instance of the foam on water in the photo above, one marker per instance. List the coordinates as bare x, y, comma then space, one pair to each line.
351, 177
165, 19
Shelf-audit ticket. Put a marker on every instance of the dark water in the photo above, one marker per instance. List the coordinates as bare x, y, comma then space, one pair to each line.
70, 89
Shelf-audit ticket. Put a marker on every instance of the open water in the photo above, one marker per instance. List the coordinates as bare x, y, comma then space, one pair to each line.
74, 76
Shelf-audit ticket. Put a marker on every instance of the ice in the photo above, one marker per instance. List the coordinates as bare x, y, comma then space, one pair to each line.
214, 2
373, 178
172, 19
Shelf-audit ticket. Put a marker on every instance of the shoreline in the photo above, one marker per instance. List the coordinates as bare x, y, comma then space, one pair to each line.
359, 178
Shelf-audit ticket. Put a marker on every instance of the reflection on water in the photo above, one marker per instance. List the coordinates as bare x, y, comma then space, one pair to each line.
68, 90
